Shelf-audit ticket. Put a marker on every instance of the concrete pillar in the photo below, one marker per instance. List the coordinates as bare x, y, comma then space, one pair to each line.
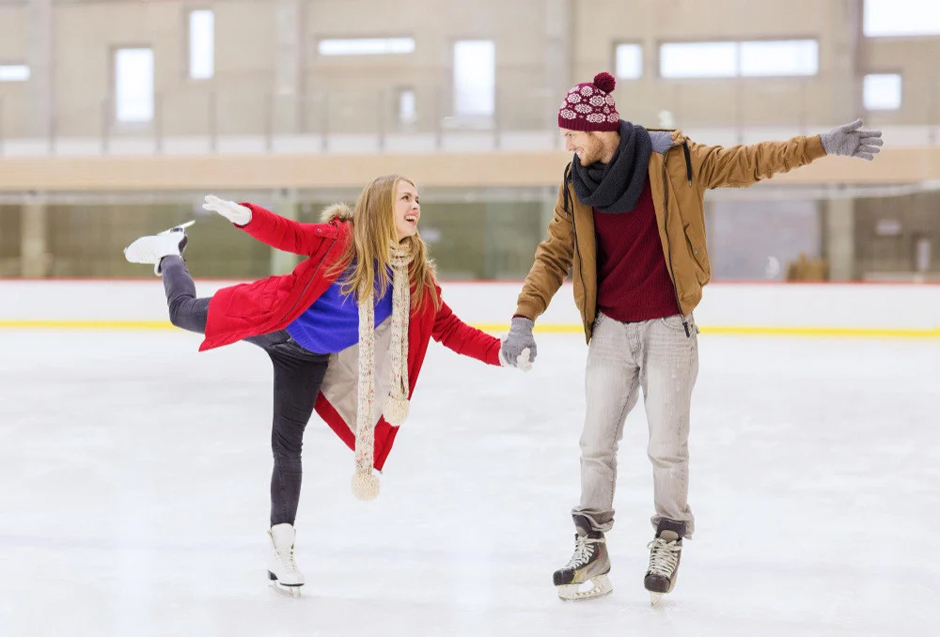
39, 58
287, 106
34, 262
846, 60
846, 71
558, 55
839, 239
285, 204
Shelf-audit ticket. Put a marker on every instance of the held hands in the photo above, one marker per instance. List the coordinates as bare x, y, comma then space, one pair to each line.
519, 348
236, 213
849, 140
523, 361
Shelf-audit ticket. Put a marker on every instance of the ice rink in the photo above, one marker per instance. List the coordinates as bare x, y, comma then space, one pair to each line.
134, 478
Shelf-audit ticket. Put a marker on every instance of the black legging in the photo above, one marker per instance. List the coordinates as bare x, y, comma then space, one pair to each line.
297, 377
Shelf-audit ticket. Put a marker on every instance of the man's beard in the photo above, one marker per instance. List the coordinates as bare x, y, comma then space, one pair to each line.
592, 154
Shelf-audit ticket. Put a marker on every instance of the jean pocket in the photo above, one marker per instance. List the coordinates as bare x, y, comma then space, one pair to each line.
678, 323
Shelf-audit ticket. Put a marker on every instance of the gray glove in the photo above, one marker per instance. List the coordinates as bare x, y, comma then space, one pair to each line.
850, 140
512, 351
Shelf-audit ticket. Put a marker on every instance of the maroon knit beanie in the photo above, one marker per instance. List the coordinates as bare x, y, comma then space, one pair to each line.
590, 107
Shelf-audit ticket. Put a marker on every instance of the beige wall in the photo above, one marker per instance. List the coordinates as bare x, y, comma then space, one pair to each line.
357, 94
361, 86
600, 24
14, 102
86, 37
12, 33
918, 62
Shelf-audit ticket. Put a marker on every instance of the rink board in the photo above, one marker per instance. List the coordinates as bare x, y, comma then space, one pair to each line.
875, 310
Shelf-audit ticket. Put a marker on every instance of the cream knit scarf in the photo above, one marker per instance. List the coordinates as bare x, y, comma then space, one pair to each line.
365, 484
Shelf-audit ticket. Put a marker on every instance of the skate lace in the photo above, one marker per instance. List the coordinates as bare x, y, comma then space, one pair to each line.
664, 556
286, 558
584, 549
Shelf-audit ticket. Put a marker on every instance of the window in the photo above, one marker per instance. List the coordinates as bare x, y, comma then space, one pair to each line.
897, 18
367, 46
698, 59
474, 78
133, 85
629, 64
14, 72
407, 107
780, 58
882, 92
201, 44
771, 58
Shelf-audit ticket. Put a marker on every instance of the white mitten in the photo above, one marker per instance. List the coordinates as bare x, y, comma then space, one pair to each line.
523, 360
236, 213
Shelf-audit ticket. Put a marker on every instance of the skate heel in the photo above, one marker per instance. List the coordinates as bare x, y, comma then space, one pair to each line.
289, 590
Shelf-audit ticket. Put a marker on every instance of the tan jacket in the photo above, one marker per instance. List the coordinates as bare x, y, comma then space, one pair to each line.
680, 171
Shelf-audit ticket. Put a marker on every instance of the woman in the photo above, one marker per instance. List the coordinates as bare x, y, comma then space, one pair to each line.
350, 324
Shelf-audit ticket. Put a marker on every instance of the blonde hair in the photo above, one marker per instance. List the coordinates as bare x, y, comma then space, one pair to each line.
368, 256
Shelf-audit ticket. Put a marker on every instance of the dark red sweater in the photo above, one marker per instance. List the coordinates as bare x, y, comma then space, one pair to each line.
633, 283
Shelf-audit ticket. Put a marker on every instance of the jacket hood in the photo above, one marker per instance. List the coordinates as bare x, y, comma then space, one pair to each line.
337, 212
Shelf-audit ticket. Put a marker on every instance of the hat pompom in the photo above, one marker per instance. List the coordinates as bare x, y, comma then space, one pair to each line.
365, 486
605, 82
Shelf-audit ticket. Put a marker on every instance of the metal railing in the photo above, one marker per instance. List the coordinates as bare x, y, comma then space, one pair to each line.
216, 118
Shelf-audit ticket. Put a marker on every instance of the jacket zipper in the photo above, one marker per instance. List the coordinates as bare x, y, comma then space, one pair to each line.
688, 162
672, 274
309, 281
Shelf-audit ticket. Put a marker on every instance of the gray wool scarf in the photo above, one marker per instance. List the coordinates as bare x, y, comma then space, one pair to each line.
617, 186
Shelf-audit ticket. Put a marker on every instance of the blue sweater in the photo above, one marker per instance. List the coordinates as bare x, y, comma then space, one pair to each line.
331, 324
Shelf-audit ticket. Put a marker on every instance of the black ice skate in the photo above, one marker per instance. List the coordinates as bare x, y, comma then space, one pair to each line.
585, 575
665, 551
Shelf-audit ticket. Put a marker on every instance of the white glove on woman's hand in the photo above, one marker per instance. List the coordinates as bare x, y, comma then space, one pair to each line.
523, 361
236, 213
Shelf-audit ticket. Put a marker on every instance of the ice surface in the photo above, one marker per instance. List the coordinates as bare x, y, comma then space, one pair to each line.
134, 477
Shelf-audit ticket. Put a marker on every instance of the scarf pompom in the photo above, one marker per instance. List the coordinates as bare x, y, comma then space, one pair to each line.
396, 410
365, 486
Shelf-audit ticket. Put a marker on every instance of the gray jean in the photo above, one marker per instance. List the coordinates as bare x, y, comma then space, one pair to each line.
657, 357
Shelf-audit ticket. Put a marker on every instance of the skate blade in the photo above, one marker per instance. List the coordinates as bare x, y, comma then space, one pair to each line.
595, 587
657, 598
287, 591
182, 226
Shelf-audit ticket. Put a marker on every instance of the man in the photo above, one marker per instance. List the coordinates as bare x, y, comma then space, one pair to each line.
630, 219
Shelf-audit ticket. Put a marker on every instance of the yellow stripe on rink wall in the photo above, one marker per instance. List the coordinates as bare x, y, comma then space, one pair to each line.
499, 328
85, 325
762, 330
